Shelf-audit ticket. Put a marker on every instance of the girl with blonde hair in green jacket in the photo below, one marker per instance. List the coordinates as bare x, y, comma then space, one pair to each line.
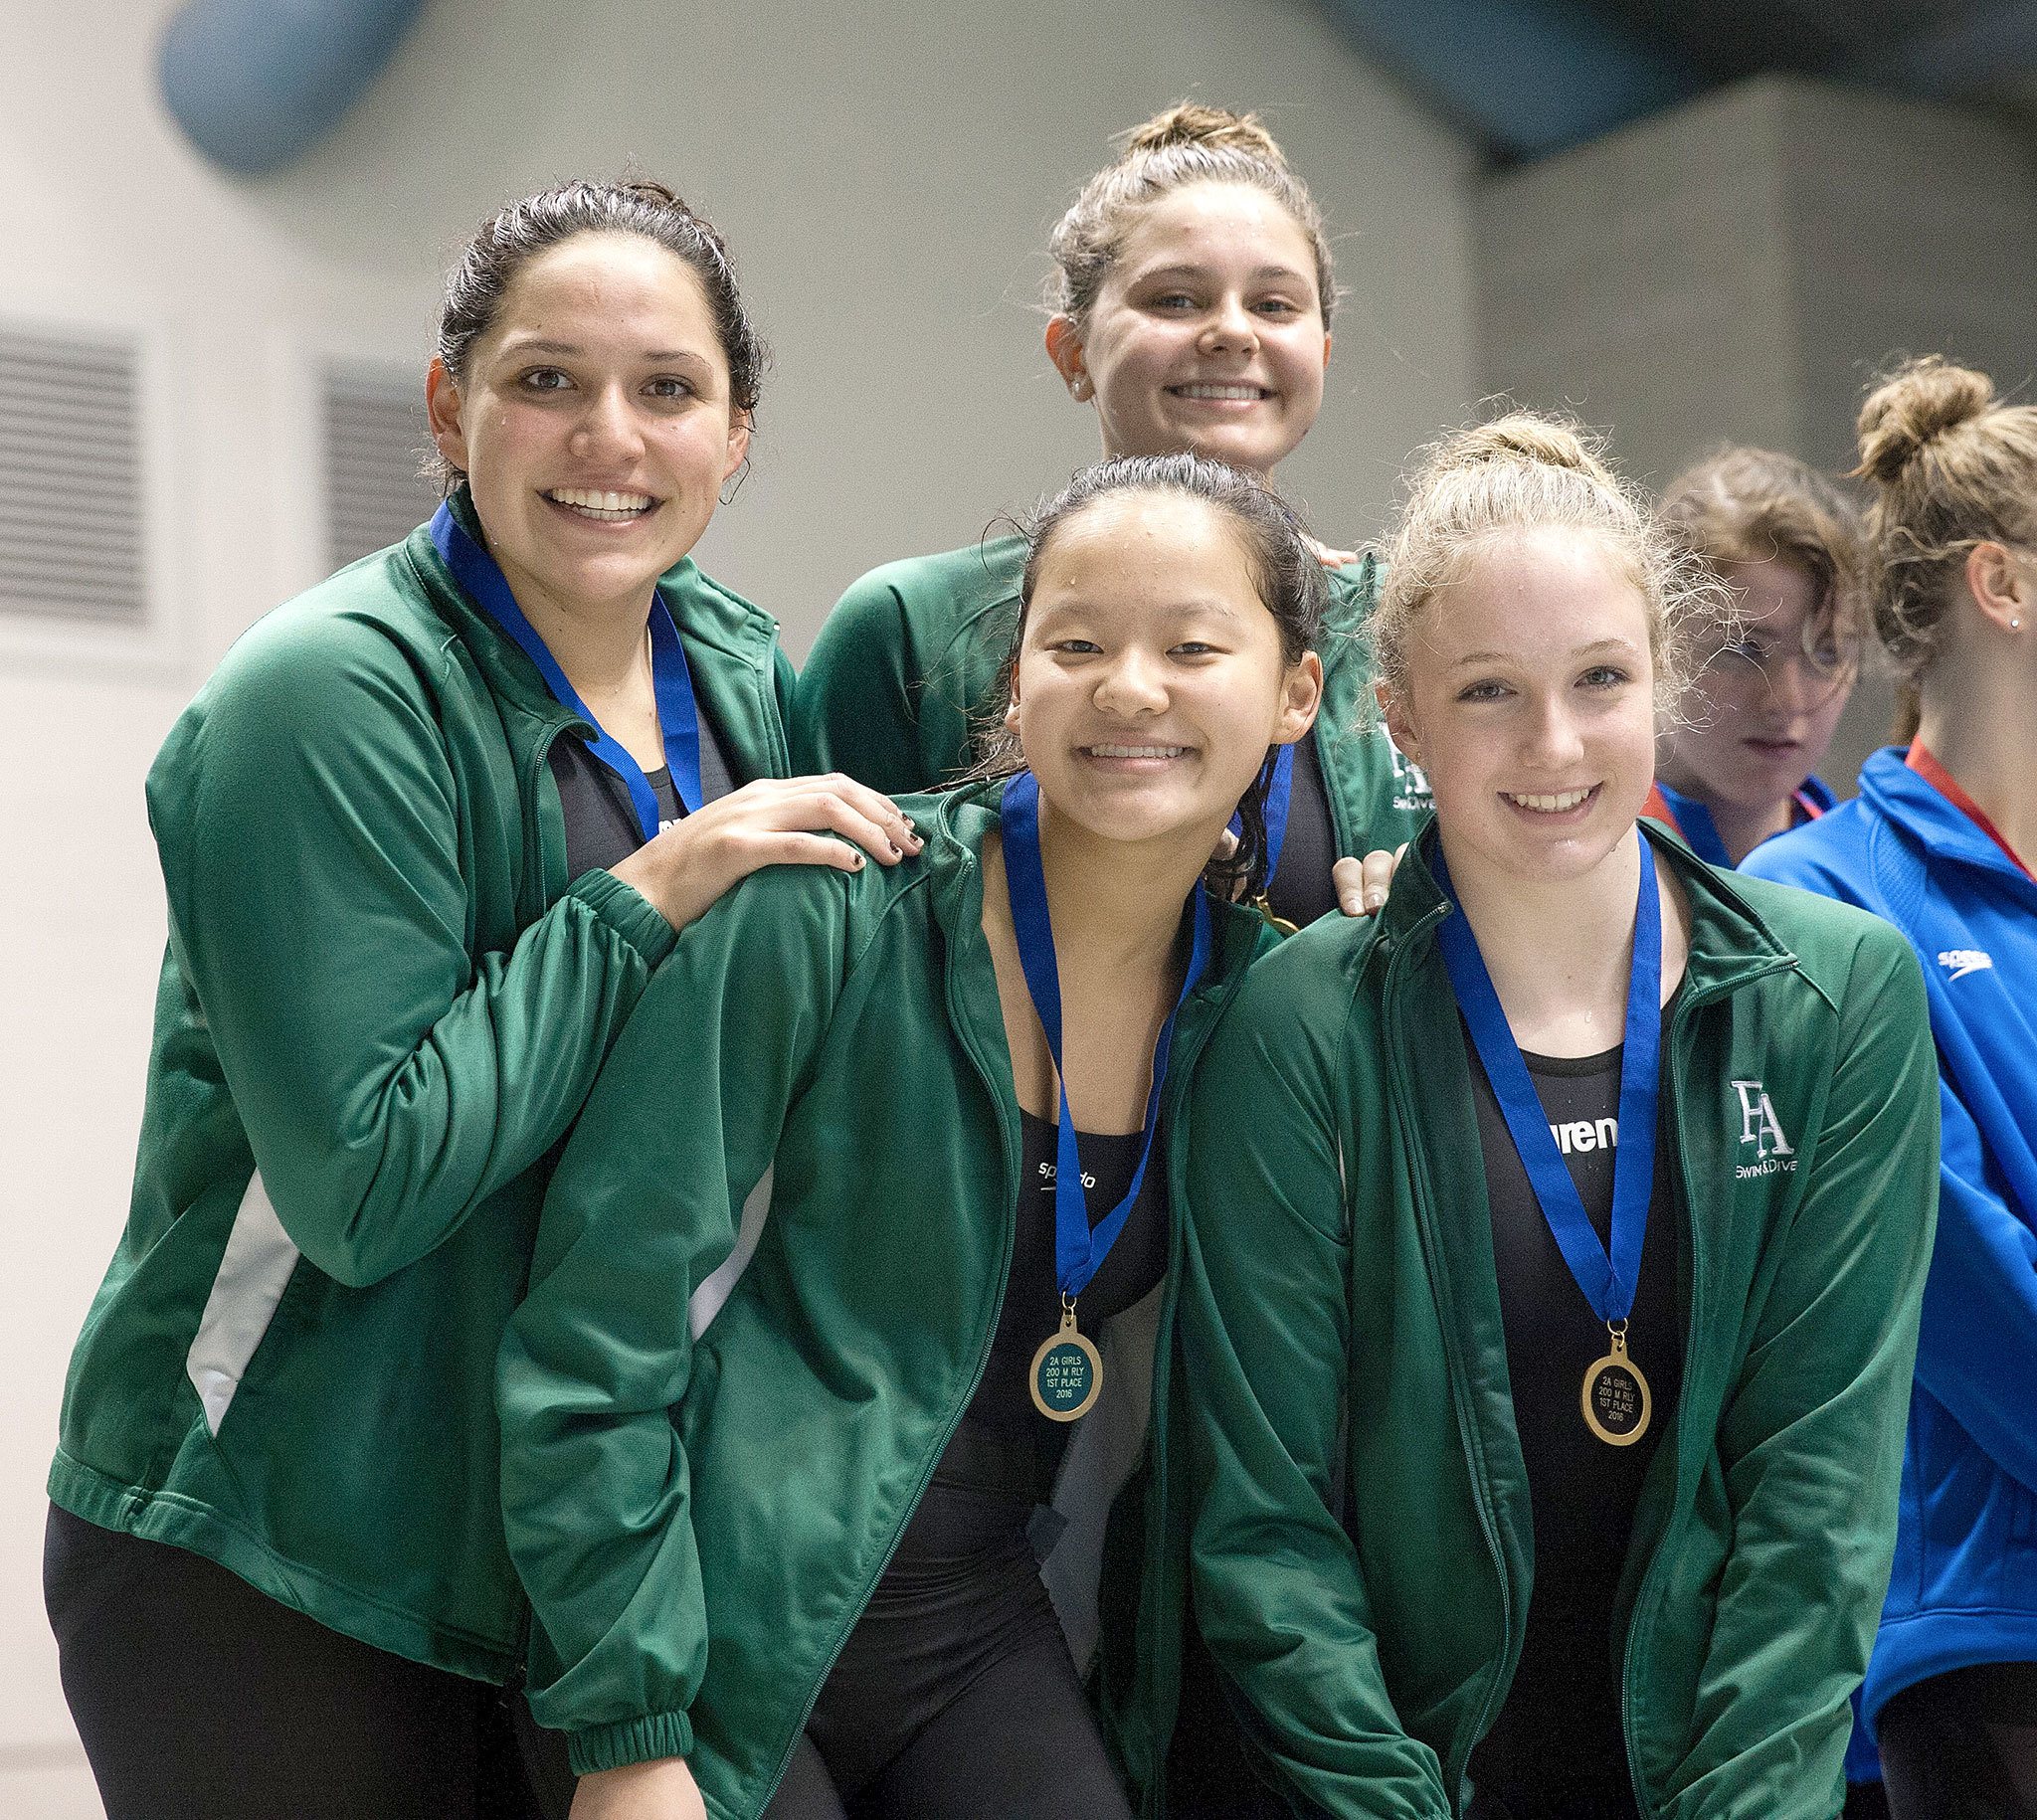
1555, 1241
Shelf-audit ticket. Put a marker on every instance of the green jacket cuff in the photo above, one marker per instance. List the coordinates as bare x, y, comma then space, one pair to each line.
627, 912
631, 1741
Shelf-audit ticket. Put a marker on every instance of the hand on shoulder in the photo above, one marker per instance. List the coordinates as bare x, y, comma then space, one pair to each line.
773, 821
1362, 884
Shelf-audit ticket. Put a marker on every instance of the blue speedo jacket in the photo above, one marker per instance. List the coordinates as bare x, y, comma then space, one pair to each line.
1965, 1587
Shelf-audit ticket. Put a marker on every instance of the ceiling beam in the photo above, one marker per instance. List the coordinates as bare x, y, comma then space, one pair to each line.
1531, 76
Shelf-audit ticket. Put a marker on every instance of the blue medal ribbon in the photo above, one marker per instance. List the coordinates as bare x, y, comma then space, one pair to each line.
678, 720
1278, 772
1079, 1251
1279, 794
1608, 1280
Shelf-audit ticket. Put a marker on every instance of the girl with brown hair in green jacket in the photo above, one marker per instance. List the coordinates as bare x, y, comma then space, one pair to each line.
426, 836
1190, 306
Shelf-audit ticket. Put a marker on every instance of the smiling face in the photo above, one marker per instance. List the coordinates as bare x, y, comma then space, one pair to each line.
1527, 699
1151, 679
594, 422
1762, 714
1208, 334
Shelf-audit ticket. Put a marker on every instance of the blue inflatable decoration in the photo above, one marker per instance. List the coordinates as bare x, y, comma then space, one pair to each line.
257, 83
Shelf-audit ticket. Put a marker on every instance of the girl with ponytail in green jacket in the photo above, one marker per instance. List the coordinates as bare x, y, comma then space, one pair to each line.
425, 835
1555, 1243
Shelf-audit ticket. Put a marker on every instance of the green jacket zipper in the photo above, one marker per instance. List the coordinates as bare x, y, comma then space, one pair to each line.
1672, 1098
1404, 1097
1008, 1155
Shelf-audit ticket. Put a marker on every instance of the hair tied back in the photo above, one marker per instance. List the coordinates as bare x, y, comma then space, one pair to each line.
1520, 435
1195, 123
1914, 407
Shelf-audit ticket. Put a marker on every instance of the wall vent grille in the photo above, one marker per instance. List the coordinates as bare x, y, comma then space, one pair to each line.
375, 436
71, 481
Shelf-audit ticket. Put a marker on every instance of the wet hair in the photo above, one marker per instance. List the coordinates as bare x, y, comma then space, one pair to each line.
519, 231
1754, 506
1280, 557
1186, 143
1525, 472
1952, 466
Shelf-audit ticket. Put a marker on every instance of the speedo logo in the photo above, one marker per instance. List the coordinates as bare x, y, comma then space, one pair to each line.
1959, 962
1758, 1126
1048, 1172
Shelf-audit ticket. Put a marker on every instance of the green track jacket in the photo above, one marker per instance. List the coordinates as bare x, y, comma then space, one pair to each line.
910, 653
809, 1134
381, 1007
1361, 1549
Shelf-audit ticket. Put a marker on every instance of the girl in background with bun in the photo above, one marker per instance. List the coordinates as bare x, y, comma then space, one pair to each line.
426, 836
1941, 841
1737, 758
785, 1555
1554, 1238
1191, 304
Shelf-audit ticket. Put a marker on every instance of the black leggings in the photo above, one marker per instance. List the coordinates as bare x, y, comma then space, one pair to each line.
1018, 1743
1962, 1746
200, 1699
955, 1695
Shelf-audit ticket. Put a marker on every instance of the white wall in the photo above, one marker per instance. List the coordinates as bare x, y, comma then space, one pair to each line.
886, 192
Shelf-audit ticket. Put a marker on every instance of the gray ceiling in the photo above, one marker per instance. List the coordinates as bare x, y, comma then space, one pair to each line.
1935, 46
1535, 76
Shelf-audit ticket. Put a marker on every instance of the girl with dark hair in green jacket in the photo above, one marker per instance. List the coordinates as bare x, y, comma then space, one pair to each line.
1556, 1242
425, 836
785, 1555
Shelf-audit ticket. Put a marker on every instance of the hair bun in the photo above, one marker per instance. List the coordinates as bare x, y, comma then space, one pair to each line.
1526, 436
1192, 123
652, 190
1911, 409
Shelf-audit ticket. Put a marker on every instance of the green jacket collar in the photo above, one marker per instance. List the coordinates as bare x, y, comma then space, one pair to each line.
1345, 716
955, 832
716, 625
1729, 942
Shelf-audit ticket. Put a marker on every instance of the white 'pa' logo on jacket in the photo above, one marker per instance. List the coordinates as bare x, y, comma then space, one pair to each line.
1759, 1127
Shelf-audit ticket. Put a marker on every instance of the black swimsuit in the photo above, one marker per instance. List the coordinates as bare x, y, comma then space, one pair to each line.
956, 1693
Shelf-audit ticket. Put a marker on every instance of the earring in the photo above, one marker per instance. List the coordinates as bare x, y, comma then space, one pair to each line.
2015, 624
1081, 386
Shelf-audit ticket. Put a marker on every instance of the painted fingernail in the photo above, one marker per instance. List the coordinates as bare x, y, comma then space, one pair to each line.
858, 861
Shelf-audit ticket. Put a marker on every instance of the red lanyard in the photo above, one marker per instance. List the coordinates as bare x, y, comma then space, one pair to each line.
1940, 779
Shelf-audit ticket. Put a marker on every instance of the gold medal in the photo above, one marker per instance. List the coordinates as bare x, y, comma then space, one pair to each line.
1068, 1371
1616, 1394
